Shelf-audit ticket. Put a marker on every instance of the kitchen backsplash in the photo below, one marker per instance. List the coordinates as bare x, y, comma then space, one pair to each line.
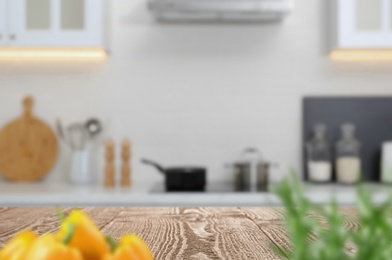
370, 117
195, 93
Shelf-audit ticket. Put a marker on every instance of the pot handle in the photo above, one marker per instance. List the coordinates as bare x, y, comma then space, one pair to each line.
156, 165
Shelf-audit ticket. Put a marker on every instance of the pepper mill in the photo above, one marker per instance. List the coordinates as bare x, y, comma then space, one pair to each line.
109, 168
126, 167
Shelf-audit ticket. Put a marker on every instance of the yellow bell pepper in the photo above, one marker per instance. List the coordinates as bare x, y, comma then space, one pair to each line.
17, 247
131, 247
136, 243
122, 253
47, 247
86, 238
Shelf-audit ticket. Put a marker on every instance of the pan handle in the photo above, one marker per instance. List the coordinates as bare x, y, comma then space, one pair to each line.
156, 165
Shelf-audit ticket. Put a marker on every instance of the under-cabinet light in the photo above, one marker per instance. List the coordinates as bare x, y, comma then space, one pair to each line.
361, 55
53, 54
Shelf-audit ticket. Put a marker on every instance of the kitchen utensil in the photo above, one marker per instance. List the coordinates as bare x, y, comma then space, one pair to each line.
243, 176
109, 167
126, 167
80, 167
93, 126
28, 147
78, 136
61, 133
263, 176
251, 173
182, 178
252, 157
60, 129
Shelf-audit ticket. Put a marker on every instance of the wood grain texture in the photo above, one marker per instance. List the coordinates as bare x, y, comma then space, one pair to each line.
177, 233
28, 147
195, 233
270, 221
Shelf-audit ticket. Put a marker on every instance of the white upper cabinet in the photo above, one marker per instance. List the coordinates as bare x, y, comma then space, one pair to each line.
3, 22
363, 24
68, 23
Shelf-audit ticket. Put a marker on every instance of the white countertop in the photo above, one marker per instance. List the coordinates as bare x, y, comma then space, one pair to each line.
57, 194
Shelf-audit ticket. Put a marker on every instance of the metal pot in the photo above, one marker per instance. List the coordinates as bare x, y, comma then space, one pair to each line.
242, 177
181, 178
251, 172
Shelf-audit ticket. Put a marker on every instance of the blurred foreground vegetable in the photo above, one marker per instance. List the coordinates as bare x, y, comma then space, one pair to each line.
130, 247
313, 240
87, 237
17, 247
77, 239
47, 247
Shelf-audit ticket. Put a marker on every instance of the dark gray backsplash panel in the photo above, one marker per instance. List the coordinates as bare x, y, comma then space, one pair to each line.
371, 115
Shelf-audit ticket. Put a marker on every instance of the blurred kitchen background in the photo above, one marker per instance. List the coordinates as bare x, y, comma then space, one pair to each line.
232, 95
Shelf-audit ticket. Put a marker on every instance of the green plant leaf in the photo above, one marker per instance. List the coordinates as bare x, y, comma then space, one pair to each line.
325, 238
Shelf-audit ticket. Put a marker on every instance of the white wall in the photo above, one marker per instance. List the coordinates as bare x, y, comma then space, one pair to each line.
196, 94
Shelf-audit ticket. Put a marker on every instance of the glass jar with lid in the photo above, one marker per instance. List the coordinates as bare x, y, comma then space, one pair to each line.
319, 156
348, 157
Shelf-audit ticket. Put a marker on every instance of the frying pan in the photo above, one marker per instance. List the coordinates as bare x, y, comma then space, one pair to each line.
181, 178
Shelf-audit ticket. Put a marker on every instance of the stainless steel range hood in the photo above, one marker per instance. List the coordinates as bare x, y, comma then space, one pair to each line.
215, 10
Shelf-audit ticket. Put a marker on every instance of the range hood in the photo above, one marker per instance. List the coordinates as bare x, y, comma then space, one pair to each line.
225, 10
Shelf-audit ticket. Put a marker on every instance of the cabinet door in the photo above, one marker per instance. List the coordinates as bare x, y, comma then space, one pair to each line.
69, 23
365, 23
3, 21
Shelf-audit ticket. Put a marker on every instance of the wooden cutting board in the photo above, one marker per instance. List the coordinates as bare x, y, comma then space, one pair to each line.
28, 147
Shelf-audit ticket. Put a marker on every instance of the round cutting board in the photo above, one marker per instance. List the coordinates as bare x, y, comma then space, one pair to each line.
28, 147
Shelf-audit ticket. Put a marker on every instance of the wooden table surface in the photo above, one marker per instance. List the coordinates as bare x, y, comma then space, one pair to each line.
173, 233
